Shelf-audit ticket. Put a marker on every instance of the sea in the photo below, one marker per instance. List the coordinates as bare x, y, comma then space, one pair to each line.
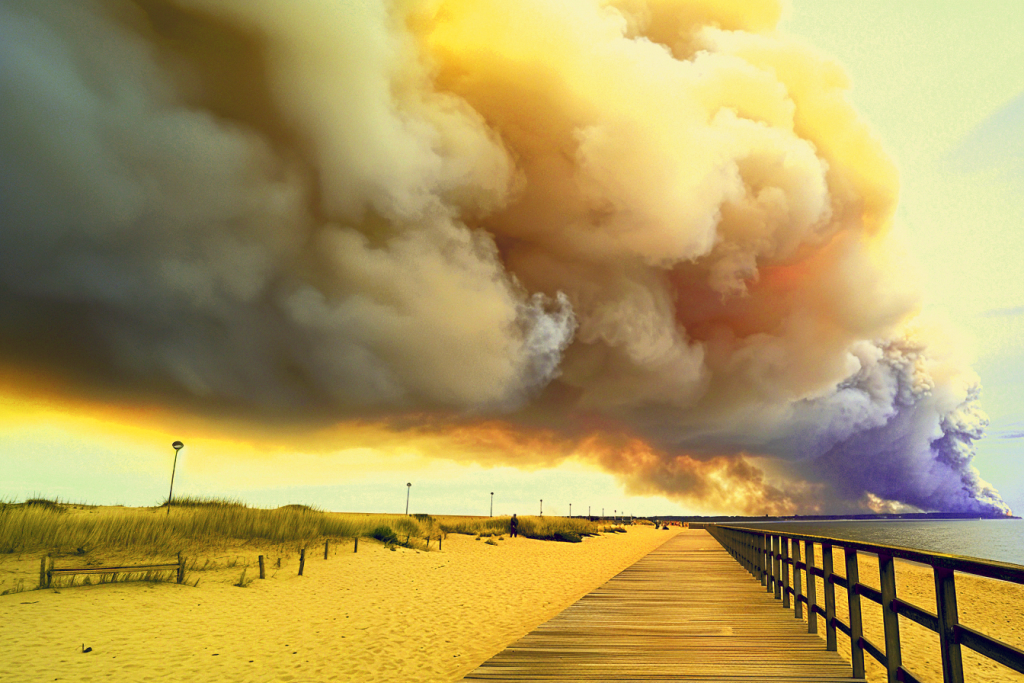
987, 539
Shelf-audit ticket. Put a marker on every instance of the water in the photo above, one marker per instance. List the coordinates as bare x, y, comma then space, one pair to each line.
987, 539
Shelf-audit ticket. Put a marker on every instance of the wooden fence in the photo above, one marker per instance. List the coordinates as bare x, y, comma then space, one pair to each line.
47, 571
769, 556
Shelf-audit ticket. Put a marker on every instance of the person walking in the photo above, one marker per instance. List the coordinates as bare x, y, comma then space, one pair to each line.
513, 526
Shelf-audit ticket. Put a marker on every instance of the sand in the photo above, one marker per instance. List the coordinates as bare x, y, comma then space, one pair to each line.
375, 615
382, 615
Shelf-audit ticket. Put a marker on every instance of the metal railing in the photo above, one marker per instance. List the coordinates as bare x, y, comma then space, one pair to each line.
768, 555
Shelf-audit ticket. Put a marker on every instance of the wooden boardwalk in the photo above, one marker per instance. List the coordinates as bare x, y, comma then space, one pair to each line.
685, 612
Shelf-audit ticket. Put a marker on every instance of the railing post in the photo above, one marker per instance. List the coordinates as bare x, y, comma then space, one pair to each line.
777, 565
784, 561
812, 599
830, 597
945, 602
856, 624
755, 569
762, 548
890, 619
798, 607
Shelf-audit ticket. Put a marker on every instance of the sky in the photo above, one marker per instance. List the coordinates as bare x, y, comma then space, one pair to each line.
652, 427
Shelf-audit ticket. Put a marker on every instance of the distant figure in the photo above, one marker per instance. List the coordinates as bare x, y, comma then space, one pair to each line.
513, 527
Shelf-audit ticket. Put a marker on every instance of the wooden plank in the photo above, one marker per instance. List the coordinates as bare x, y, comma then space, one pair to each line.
688, 612
125, 569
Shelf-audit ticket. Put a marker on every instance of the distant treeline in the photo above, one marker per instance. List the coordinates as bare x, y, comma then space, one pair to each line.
832, 518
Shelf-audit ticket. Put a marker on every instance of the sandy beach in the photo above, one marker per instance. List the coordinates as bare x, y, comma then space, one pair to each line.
384, 615
375, 615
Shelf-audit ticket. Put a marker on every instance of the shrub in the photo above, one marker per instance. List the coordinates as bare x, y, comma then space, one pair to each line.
568, 537
298, 507
385, 535
44, 504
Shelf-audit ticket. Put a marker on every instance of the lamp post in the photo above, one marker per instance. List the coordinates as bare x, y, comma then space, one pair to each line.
408, 490
541, 507
492, 504
177, 446
570, 510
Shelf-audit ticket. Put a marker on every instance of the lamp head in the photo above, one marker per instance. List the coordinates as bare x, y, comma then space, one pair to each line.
177, 445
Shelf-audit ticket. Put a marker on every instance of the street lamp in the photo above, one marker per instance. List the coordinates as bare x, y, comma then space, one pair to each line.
541, 507
492, 504
408, 490
177, 446
570, 510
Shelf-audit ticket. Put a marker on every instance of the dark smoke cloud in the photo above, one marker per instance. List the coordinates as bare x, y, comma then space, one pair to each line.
654, 225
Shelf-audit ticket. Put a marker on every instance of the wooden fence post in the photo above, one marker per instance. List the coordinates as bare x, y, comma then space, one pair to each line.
776, 549
439, 543
890, 619
302, 560
263, 569
327, 545
830, 597
856, 624
181, 568
761, 549
355, 548
784, 561
945, 601
43, 582
798, 607
812, 598
752, 556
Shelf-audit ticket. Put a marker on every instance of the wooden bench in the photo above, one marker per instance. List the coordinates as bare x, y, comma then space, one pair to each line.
46, 573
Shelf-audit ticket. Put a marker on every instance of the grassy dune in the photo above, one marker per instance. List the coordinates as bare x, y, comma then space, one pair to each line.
61, 528
543, 528
48, 525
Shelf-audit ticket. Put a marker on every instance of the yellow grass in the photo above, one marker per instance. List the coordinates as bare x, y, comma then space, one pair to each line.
50, 526
65, 529
542, 528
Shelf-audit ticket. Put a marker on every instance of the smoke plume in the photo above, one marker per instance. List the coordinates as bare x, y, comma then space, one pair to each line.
647, 233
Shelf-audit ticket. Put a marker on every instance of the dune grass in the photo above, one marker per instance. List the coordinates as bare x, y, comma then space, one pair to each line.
190, 523
193, 522
542, 528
